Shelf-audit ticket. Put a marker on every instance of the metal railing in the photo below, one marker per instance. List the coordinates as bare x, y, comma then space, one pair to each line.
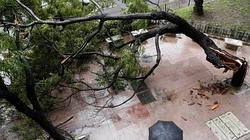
179, 4
222, 32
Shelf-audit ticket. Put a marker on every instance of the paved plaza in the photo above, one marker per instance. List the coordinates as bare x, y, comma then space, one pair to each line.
179, 85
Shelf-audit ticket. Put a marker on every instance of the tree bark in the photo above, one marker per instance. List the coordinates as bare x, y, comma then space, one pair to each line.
239, 76
198, 7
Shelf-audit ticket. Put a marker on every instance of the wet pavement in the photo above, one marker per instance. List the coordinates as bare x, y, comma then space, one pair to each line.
181, 85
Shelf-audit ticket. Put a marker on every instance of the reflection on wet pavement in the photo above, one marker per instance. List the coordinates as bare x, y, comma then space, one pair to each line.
180, 85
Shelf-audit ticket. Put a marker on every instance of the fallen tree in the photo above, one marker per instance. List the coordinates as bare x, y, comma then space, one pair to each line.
219, 58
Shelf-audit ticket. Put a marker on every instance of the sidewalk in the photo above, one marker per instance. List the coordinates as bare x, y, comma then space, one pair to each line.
183, 69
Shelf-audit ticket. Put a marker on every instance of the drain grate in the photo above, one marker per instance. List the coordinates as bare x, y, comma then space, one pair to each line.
143, 92
227, 127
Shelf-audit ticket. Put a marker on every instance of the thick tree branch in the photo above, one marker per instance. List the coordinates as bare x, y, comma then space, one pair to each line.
168, 28
35, 115
30, 86
187, 29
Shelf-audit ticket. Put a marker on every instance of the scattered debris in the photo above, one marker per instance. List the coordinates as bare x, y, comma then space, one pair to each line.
191, 92
191, 103
219, 87
83, 137
196, 97
199, 104
165, 95
183, 118
116, 118
171, 97
214, 106
205, 90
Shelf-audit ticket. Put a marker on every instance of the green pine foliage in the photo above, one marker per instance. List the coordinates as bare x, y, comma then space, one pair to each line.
137, 6
47, 47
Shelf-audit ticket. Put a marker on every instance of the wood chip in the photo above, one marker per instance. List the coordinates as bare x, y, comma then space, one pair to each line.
216, 102
191, 103
199, 104
191, 92
201, 94
183, 118
213, 107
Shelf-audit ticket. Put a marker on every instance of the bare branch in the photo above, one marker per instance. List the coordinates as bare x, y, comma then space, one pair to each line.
151, 16
90, 88
98, 6
95, 53
64, 122
87, 40
28, 10
156, 4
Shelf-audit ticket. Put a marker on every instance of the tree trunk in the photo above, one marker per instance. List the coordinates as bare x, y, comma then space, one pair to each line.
239, 76
38, 117
198, 7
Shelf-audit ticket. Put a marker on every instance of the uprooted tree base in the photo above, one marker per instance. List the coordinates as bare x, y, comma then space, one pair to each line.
239, 76
238, 65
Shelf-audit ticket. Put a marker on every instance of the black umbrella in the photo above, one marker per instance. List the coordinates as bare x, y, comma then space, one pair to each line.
165, 130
